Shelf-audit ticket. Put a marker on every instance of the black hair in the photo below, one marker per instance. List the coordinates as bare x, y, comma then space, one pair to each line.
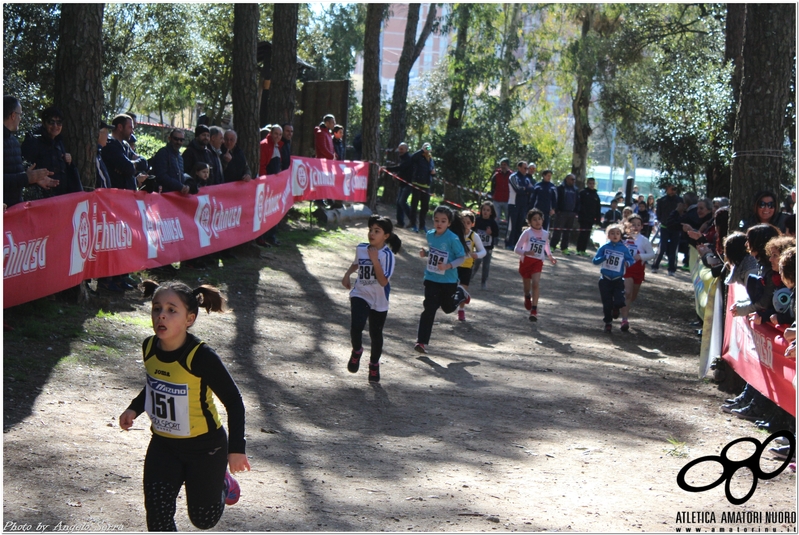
337, 128
201, 129
204, 296
722, 222
504, 160
120, 119
49, 113
790, 225
469, 214
10, 105
735, 247
758, 236
533, 211
493, 210
455, 223
520, 163
198, 167
788, 264
393, 241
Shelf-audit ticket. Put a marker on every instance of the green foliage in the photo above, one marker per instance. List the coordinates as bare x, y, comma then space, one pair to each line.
331, 39
147, 145
30, 41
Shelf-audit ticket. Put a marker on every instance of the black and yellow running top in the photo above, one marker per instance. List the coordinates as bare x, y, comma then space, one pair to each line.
179, 392
469, 262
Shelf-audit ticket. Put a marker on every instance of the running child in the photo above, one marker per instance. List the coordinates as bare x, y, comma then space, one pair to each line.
487, 228
374, 262
641, 250
441, 288
614, 257
189, 444
532, 247
474, 250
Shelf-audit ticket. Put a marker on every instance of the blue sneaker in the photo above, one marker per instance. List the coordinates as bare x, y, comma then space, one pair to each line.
415, 229
232, 489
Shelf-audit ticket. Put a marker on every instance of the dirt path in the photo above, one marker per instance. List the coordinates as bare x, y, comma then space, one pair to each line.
504, 426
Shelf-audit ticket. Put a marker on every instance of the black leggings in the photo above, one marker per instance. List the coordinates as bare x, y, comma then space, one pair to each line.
436, 295
361, 311
200, 463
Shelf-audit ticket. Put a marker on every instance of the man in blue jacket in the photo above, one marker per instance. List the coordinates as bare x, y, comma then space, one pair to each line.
518, 203
168, 164
123, 164
545, 197
404, 170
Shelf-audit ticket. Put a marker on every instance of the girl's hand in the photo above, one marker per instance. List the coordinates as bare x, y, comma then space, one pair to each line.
238, 462
734, 309
473, 255
637, 257
553, 260
67, 158
789, 334
773, 319
488, 231
756, 318
346, 282
372, 252
791, 351
442, 267
126, 419
422, 253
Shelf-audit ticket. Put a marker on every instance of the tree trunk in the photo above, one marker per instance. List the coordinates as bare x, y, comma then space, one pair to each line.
717, 173
768, 54
371, 94
245, 80
509, 65
282, 94
411, 49
459, 85
79, 83
581, 101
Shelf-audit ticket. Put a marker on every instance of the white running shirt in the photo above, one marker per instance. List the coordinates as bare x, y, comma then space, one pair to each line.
367, 286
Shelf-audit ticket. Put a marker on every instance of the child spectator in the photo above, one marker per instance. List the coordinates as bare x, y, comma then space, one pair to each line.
760, 288
532, 247
488, 230
613, 215
614, 257
784, 305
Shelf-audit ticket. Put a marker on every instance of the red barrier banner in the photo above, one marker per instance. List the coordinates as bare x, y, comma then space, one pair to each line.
313, 179
757, 353
53, 244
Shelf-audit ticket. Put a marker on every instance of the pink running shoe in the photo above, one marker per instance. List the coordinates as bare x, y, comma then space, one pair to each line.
232, 489
461, 315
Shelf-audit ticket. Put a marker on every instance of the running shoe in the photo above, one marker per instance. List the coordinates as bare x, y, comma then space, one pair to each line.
460, 296
420, 348
782, 452
415, 229
625, 326
461, 315
232, 489
608, 327
374, 372
566, 252
355, 361
528, 302
534, 314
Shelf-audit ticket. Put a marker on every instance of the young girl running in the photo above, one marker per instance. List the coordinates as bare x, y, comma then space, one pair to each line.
474, 251
488, 230
614, 257
189, 444
532, 247
441, 288
641, 250
374, 262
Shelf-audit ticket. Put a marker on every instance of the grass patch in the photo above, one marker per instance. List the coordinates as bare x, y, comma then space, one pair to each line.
137, 320
676, 448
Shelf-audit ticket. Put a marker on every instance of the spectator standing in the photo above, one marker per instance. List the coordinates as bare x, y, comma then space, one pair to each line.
45, 148
663, 208
500, 189
424, 169
404, 170
338, 142
236, 167
215, 144
567, 207
15, 176
518, 204
103, 179
285, 148
198, 151
613, 215
589, 214
128, 170
765, 210
323, 139
545, 197
167, 164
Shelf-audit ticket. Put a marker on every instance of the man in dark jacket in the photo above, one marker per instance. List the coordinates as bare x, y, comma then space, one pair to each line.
518, 204
545, 197
15, 176
167, 164
404, 170
669, 234
45, 148
199, 151
589, 214
285, 149
566, 212
123, 164
103, 178
215, 141
424, 169
236, 167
